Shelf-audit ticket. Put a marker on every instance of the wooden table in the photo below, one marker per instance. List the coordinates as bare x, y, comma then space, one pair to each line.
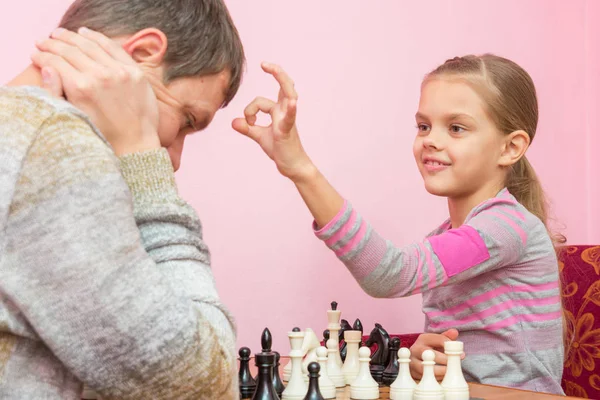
486, 392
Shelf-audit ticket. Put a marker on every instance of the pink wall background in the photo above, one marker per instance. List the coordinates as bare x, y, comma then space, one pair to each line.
358, 67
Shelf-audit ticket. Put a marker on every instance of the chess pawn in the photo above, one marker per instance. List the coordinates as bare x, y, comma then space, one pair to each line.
325, 383
334, 372
333, 316
277, 383
264, 386
428, 388
364, 386
296, 387
287, 370
454, 383
391, 371
313, 387
404, 385
351, 364
246, 381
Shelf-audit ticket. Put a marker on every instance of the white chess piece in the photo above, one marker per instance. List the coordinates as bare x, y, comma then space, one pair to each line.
428, 388
309, 350
310, 342
296, 388
333, 316
404, 385
364, 386
454, 383
334, 372
326, 385
351, 364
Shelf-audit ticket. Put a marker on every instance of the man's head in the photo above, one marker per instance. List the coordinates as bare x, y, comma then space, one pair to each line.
189, 49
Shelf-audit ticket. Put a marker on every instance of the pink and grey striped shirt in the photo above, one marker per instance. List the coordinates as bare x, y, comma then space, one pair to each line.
495, 279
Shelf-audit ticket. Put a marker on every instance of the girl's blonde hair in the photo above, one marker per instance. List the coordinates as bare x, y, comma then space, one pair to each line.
510, 96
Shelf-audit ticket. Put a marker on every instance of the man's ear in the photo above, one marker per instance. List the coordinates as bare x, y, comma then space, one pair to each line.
515, 146
147, 47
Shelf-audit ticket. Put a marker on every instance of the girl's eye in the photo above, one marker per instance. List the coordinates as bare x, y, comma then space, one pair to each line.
423, 128
456, 129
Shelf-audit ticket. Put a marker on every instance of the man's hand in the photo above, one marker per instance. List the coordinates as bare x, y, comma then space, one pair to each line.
98, 77
280, 140
435, 342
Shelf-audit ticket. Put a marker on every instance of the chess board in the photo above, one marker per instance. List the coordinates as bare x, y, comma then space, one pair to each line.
384, 394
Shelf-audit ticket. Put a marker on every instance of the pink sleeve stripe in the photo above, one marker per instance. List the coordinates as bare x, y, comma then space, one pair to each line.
523, 318
343, 230
330, 224
498, 308
353, 243
492, 294
459, 249
518, 230
514, 213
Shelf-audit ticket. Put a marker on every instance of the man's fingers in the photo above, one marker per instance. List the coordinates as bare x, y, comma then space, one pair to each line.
52, 82
285, 82
69, 53
87, 46
258, 104
44, 59
113, 48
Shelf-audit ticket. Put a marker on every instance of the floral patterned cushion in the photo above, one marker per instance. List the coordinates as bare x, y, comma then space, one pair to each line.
580, 273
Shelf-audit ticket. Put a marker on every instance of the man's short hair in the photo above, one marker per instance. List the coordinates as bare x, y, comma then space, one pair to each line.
202, 39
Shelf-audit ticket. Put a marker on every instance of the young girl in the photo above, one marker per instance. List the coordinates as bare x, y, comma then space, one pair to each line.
490, 271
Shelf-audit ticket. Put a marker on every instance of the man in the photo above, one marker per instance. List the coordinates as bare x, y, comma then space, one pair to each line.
104, 275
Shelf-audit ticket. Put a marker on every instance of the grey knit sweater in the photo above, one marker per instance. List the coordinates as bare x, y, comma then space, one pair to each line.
104, 275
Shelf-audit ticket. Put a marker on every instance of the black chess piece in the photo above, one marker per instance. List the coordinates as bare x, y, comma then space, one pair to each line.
345, 326
379, 359
266, 340
358, 326
264, 386
296, 329
277, 382
314, 393
326, 335
247, 382
391, 371
334, 306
